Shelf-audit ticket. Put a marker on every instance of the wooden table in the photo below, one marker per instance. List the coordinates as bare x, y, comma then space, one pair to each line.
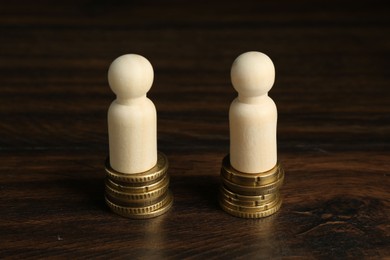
332, 91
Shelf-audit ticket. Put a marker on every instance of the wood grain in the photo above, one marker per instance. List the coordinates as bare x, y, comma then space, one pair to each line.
332, 92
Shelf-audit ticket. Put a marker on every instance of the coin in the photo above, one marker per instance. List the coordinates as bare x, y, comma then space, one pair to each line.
252, 190
253, 214
250, 179
136, 210
138, 189
134, 203
243, 200
144, 177
262, 207
136, 197
163, 207
136, 184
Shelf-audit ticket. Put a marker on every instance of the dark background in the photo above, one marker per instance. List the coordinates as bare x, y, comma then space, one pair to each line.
332, 62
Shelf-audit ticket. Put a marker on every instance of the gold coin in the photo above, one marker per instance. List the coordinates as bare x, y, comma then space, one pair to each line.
243, 200
137, 210
164, 206
249, 209
251, 190
137, 184
144, 177
250, 179
254, 214
138, 189
134, 203
137, 197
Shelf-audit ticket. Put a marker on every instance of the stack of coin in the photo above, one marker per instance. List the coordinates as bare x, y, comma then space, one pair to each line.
142, 195
248, 195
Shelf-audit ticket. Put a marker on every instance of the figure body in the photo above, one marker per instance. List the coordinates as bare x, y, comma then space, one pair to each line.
253, 115
132, 120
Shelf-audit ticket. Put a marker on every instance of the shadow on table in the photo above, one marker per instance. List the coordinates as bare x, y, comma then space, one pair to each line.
196, 191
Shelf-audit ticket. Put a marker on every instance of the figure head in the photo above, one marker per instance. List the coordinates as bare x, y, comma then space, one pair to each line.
252, 74
130, 76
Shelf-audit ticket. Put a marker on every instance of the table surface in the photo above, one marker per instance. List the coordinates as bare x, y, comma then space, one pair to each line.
332, 91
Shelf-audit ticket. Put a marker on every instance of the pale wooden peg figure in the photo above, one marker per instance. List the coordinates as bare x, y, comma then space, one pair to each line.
253, 115
132, 120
